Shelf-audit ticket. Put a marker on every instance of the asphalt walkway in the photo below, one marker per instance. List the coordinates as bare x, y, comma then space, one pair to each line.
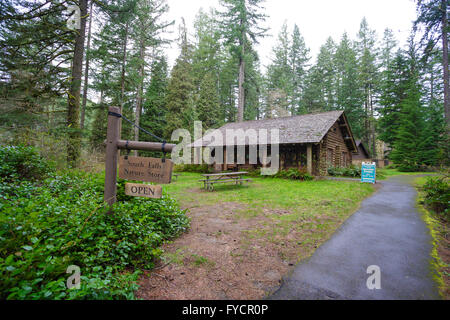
387, 231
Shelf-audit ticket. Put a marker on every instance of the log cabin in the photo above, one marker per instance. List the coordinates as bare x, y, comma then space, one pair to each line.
313, 142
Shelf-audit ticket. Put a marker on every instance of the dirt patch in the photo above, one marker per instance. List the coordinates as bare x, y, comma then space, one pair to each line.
216, 259
233, 251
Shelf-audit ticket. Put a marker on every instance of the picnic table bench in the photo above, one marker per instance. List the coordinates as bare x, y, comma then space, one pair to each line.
223, 177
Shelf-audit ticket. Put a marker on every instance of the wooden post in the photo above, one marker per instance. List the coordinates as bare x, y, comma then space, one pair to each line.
225, 167
112, 136
309, 158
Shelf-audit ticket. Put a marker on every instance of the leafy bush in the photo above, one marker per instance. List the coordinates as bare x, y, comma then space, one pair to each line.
22, 162
437, 195
294, 174
351, 171
254, 173
48, 225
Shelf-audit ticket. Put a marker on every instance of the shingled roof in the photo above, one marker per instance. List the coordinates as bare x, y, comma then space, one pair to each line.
308, 128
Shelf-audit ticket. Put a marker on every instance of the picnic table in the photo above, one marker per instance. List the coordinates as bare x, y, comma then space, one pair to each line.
223, 177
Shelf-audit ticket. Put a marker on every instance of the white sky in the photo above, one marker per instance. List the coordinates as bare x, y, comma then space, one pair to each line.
317, 20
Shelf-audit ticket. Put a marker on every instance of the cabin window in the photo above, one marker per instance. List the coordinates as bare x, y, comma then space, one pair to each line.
344, 159
289, 158
330, 156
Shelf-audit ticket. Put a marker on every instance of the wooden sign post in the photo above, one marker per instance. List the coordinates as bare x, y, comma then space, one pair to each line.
114, 144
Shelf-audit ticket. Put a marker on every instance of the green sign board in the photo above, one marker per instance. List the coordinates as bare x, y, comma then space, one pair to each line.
368, 172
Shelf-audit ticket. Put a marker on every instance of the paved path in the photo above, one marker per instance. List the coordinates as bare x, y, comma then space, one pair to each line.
386, 231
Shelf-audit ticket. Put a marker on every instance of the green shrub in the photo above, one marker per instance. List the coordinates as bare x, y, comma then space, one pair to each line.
198, 168
22, 162
437, 195
254, 173
351, 171
294, 174
47, 225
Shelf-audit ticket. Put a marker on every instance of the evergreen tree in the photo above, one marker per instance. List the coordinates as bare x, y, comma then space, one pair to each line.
154, 109
207, 105
279, 77
320, 91
180, 91
368, 71
409, 144
393, 92
433, 14
37, 48
147, 33
252, 87
241, 27
298, 59
206, 65
346, 81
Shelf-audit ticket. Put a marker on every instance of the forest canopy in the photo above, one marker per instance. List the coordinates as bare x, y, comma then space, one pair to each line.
57, 82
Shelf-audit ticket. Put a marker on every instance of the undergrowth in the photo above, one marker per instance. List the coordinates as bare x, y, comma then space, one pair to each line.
50, 220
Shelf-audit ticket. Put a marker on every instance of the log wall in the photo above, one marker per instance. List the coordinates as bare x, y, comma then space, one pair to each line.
333, 144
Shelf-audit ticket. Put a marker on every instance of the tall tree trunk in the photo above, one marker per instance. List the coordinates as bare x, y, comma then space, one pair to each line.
122, 77
73, 108
241, 99
86, 70
366, 134
140, 90
372, 127
445, 64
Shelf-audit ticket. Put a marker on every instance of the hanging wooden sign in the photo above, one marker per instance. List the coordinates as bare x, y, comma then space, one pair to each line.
143, 190
145, 169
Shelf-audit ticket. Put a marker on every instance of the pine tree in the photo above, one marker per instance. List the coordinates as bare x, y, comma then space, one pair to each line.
347, 95
253, 87
298, 59
393, 92
154, 108
207, 104
180, 91
320, 91
37, 48
146, 32
206, 65
433, 14
279, 77
409, 144
241, 27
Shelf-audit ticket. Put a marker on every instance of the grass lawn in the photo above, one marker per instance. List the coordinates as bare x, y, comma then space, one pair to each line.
244, 239
386, 173
301, 198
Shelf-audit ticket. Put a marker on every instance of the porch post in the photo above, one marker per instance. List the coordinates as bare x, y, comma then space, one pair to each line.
309, 158
225, 167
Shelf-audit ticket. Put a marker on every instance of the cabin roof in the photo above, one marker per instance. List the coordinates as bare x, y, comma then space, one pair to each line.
360, 144
307, 128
